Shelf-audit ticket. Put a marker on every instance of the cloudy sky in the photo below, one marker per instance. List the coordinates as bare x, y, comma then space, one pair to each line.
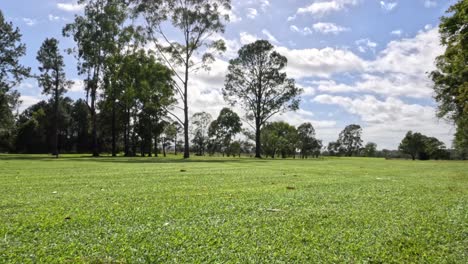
358, 61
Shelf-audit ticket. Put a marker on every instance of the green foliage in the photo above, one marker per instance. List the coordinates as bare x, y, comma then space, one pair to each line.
279, 138
308, 144
223, 130
370, 149
36, 131
201, 122
52, 80
423, 147
451, 77
11, 74
349, 141
256, 80
218, 210
96, 35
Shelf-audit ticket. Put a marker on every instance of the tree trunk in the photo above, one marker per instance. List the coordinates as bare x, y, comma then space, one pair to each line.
114, 149
258, 147
186, 118
175, 144
55, 135
164, 147
156, 146
94, 121
127, 134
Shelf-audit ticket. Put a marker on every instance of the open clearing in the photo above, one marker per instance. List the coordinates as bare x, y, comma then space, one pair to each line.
130, 210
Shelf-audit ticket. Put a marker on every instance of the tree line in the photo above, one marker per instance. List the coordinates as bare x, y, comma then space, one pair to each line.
133, 93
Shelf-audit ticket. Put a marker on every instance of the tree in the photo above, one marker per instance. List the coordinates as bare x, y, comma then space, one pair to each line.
349, 140
451, 76
198, 21
308, 144
412, 144
370, 149
201, 122
333, 148
81, 126
434, 148
256, 80
11, 74
224, 129
170, 134
94, 34
52, 80
279, 138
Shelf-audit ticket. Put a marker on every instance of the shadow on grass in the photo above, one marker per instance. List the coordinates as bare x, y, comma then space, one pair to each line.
130, 160
136, 160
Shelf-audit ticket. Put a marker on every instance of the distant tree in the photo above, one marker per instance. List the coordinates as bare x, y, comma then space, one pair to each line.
307, 143
201, 122
198, 22
434, 148
451, 78
80, 126
279, 138
52, 80
11, 74
349, 140
370, 149
223, 130
36, 130
412, 144
256, 80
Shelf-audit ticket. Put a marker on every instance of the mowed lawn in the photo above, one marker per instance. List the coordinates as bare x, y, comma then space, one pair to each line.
221, 210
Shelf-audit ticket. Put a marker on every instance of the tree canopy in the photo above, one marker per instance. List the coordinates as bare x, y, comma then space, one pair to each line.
451, 76
256, 80
11, 74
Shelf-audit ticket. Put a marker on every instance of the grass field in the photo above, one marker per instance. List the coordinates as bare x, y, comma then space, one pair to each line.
353, 210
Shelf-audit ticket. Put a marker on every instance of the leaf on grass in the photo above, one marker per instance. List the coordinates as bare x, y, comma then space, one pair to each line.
273, 210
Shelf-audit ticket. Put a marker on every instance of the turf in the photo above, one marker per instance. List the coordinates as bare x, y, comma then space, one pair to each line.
156, 210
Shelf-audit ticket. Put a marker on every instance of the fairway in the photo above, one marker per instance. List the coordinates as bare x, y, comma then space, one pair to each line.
166, 210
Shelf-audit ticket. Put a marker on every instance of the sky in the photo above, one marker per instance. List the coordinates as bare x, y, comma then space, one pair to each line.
358, 61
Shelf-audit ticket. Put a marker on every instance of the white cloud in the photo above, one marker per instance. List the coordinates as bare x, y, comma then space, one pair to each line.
53, 18
246, 38
388, 120
291, 18
429, 3
70, 7
29, 21
252, 13
324, 7
410, 56
270, 37
77, 86
264, 4
324, 62
397, 32
388, 6
401, 69
365, 45
27, 101
327, 28
304, 31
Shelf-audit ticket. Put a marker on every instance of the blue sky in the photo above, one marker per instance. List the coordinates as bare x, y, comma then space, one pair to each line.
359, 61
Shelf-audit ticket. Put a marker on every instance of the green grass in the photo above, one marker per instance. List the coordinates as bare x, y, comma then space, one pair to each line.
354, 210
